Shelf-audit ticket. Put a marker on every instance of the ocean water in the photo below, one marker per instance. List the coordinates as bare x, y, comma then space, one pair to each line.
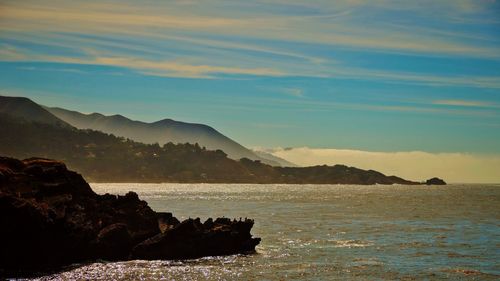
328, 232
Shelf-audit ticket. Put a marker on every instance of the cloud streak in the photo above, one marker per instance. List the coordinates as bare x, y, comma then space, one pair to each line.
143, 66
466, 103
244, 38
173, 69
177, 68
93, 17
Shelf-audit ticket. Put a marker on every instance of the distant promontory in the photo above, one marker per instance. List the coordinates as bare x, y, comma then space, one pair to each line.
435, 181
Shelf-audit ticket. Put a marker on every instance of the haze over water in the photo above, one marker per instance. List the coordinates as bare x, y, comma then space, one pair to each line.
325, 232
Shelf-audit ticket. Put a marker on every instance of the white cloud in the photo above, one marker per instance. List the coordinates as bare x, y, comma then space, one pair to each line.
414, 165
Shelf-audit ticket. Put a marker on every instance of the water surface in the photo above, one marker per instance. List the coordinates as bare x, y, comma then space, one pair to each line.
328, 232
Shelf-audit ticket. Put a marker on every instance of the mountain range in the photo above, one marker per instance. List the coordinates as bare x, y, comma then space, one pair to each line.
29, 130
161, 132
164, 131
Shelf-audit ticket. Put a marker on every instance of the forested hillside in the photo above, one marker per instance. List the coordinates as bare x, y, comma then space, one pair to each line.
107, 158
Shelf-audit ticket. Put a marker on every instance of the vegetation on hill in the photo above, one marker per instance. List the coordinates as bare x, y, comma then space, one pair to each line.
107, 158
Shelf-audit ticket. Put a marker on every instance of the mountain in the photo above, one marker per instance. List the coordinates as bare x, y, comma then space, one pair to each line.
27, 109
163, 131
28, 130
103, 157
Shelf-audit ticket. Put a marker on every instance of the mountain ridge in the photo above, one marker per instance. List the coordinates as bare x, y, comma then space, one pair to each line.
103, 157
161, 132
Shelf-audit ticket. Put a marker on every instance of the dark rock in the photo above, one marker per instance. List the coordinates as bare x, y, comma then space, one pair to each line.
50, 218
140, 219
208, 223
435, 181
166, 221
113, 242
193, 239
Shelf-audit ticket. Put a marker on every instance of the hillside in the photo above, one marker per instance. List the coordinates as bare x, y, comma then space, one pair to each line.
102, 157
161, 132
27, 109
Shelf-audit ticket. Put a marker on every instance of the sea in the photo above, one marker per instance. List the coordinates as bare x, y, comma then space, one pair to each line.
326, 232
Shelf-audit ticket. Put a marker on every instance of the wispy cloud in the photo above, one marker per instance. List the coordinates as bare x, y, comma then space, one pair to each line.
181, 68
143, 66
177, 69
10, 53
244, 38
313, 106
466, 103
157, 20
415, 165
419, 78
70, 70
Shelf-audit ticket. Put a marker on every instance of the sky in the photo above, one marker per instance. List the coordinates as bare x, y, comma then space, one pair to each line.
366, 77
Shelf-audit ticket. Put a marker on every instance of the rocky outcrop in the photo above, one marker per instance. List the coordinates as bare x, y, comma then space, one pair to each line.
435, 181
50, 217
193, 239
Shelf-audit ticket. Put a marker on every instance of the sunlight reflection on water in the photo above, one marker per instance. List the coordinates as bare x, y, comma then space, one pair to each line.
328, 232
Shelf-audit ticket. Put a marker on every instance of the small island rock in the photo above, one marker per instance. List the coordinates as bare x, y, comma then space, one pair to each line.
435, 181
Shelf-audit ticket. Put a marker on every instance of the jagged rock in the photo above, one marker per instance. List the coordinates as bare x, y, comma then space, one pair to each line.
435, 181
50, 217
113, 242
166, 221
193, 239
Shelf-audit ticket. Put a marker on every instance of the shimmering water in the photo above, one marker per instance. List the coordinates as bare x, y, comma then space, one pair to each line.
320, 232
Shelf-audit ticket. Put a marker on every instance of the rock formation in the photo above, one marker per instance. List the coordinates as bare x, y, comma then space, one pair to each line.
50, 218
435, 181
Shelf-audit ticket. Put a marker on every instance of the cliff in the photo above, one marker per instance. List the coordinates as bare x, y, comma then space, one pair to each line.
50, 218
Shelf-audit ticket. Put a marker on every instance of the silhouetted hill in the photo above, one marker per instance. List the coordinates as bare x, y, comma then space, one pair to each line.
27, 109
107, 158
161, 132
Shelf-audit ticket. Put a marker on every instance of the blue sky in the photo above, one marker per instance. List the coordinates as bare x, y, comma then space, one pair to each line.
363, 75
